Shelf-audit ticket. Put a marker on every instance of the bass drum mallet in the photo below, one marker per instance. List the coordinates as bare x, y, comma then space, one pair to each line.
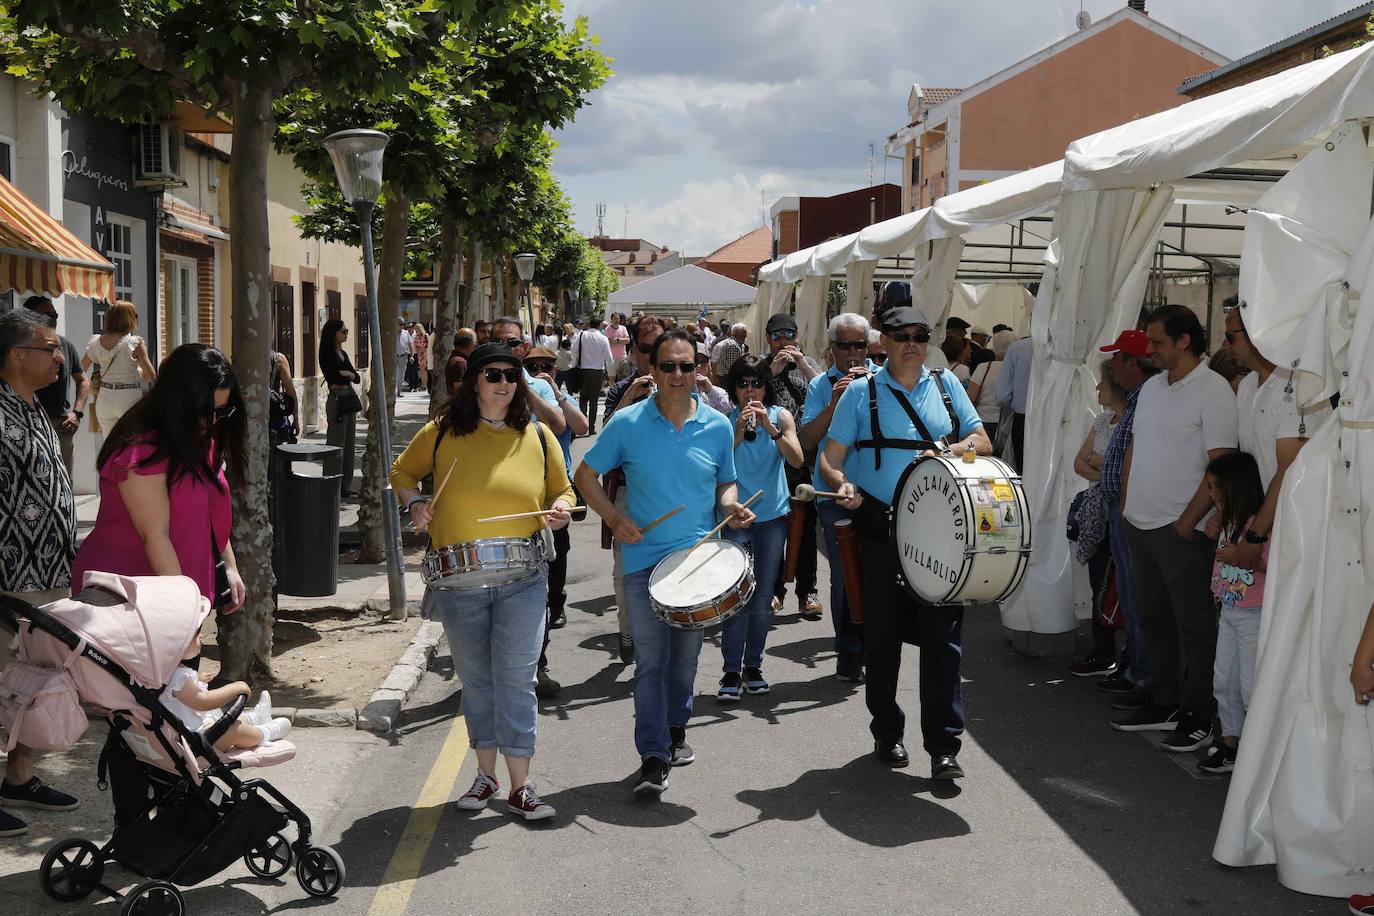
805, 493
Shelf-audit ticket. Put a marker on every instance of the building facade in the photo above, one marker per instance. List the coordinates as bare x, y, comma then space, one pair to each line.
1123, 67
800, 222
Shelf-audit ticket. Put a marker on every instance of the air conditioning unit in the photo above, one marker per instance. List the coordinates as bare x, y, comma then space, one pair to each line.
159, 153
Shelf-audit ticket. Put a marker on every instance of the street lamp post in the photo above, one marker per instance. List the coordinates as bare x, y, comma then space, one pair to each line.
524, 265
575, 292
357, 156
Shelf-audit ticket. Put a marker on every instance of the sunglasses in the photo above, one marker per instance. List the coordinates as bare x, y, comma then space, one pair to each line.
684, 368
904, 336
1231, 335
538, 368
878, 358
849, 344
646, 349
494, 376
513, 342
220, 414
750, 383
787, 334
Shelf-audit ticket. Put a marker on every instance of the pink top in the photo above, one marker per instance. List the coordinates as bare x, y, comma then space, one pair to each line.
1235, 587
618, 337
114, 545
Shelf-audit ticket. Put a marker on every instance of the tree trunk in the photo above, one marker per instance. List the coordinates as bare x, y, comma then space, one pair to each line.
390, 267
498, 285
245, 637
450, 290
471, 270
476, 310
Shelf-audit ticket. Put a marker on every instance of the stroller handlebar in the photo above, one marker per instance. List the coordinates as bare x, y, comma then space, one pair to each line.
231, 715
13, 610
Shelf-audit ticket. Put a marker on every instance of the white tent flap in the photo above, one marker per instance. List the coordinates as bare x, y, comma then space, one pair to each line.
810, 316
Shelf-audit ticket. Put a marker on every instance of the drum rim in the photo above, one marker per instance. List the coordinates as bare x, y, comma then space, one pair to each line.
433, 579
742, 590
1023, 556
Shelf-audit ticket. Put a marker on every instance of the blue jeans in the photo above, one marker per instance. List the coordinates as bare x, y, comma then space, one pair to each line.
495, 635
743, 636
1137, 668
665, 671
848, 644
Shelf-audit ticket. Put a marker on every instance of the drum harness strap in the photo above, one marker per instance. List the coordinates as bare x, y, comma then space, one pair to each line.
877, 441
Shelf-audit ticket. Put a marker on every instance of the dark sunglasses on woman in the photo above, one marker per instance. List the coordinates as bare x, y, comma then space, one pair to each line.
219, 414
786, 334
494, 375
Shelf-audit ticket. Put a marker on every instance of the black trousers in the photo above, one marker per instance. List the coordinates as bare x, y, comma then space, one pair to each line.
892, 616
558, 580
1018, 439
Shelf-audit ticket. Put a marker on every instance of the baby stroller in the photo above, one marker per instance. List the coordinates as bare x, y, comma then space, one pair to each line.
182, 813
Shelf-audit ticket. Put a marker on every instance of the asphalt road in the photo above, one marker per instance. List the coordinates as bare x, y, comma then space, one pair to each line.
783, 812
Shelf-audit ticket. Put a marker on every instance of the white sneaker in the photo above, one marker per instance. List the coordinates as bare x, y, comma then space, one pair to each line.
260, 714
276, 730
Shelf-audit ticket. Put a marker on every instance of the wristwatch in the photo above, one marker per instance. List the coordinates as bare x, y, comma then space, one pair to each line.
1252, 537
415, 499
80, 414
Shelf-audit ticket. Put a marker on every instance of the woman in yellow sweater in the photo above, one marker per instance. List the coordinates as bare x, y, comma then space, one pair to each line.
496, 632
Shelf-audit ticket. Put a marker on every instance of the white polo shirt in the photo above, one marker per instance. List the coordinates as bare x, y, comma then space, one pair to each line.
1268, 413
1175, 426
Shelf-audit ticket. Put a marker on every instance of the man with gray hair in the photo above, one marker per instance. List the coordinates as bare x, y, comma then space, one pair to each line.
37, 518
848, 336
728, 349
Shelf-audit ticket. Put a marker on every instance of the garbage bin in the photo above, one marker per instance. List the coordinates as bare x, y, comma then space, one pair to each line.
305, 520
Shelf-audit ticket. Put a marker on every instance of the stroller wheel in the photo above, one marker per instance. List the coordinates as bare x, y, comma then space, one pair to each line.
320, 871
154, 898
71, 870
271, 859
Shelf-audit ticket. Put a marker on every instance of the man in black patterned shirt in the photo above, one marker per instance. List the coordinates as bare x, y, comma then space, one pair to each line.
37, 519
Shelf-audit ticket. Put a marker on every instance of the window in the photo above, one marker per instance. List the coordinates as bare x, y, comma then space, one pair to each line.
179, 280
7, 159
121, 252
641, 271
308, 329
283, 307
333, 304
360, 332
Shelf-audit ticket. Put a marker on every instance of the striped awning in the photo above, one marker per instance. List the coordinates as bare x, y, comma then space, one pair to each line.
39, 254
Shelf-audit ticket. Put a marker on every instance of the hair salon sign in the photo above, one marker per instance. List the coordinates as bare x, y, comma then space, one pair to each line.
71, 166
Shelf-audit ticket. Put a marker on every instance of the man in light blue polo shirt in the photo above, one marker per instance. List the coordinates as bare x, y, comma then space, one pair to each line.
848, 336
863, 465
675, 452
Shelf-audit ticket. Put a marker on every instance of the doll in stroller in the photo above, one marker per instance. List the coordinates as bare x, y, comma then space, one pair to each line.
182, 812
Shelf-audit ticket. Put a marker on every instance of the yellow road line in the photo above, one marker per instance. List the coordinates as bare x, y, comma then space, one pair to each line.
401, 873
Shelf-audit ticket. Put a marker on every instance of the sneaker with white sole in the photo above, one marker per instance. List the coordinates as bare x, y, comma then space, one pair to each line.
1220, 759
260, 714
731, 686
1150, 718
653, 777
277, 729
476, 798
1362, 904
33, 794
754, 681
811, 607
11, 825
1192, 732
681, 750
525, 802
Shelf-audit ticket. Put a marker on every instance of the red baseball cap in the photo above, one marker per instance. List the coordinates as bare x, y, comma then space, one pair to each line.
1131, 342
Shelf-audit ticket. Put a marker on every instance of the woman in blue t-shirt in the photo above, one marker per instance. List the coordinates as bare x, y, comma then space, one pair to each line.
765, 437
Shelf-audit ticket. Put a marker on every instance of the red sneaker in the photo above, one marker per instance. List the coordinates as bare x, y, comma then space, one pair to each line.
1362, 904
526, 803
483, 788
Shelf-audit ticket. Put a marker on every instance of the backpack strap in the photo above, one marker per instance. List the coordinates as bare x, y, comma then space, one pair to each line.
949, 405
877, 441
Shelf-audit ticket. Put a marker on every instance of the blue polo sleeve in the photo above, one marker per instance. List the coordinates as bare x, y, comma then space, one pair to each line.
725, 461
817, 397
542, 388
844, 425
609, 451
963, 407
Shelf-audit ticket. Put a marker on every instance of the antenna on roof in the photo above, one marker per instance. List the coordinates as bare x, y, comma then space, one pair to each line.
870, 164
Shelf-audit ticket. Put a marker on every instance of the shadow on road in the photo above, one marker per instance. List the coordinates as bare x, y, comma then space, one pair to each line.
863, 800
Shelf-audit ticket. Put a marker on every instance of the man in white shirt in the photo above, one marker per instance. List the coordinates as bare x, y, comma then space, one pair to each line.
591, 355
1184, 417
405, 345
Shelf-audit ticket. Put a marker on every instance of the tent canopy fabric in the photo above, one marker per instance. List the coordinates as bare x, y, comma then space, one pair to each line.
688, 285
39, 254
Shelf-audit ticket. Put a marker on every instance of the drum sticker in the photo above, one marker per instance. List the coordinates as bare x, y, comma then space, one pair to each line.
988, 521
982, 494
1002, 492
1010, 518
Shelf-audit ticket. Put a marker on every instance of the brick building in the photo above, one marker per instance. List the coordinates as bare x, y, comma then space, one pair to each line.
800, 222
1339, 33
740, 259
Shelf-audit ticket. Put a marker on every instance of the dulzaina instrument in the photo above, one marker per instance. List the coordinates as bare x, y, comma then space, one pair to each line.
960, 529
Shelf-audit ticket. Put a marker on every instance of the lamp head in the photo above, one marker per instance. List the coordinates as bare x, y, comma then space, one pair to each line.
524, 265
357, 157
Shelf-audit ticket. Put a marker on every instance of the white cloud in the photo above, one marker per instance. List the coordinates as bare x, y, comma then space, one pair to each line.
703, 215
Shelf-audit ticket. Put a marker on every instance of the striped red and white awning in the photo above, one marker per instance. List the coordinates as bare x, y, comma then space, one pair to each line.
39, 254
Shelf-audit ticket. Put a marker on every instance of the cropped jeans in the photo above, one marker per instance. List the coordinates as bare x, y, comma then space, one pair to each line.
496, 635
665, 671
743, 636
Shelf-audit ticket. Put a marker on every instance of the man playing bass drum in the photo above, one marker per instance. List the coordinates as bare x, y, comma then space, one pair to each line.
881, 424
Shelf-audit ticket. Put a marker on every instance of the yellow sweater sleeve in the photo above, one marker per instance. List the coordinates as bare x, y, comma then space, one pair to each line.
417, 460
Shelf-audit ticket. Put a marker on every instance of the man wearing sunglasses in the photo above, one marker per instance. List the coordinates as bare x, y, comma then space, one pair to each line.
863, 462
676, 453
548, 405
848, 335
877, 352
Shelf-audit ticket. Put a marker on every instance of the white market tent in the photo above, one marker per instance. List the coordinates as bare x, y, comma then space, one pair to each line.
1292, 150
682, 292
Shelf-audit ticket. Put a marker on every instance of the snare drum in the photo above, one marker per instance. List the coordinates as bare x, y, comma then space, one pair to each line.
694, 589
960, 530
486, 562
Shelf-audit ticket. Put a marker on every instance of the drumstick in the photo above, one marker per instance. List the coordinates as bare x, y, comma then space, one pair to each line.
439, 489
806, 493
716, 530
661, 519
576, 510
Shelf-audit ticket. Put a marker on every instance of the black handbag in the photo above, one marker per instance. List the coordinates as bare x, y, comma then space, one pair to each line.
347, 402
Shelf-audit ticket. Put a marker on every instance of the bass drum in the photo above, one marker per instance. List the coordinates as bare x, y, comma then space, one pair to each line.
960, 530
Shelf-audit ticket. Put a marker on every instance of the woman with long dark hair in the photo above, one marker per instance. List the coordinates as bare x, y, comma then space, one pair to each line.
509, 465
165, 475
765, 438
340, 376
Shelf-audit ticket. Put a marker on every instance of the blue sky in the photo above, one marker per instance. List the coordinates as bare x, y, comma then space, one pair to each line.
719, 107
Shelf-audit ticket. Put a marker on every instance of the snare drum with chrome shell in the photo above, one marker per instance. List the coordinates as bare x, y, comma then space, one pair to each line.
486, 562
691, 589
